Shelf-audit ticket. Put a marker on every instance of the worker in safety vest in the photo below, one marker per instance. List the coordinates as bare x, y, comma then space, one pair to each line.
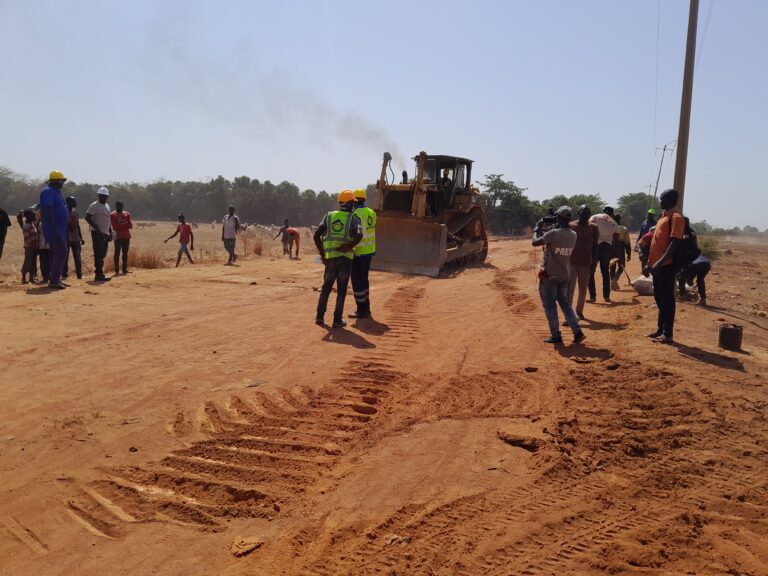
335, 238
364, 252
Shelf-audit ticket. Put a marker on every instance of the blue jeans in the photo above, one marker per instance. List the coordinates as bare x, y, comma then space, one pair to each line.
554, 292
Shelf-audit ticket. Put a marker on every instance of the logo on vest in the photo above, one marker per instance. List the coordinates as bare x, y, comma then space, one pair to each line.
337, 226
370, 221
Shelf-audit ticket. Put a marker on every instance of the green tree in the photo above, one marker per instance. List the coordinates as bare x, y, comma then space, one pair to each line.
508, 210
634, 207
594, 201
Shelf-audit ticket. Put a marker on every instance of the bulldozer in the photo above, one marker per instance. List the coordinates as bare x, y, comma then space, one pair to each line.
430, 222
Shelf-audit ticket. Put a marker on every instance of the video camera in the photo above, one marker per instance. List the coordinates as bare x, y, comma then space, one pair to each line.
547, 222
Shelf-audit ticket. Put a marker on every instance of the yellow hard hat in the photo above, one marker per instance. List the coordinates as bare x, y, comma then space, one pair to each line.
360, 194
346, 196
56, 175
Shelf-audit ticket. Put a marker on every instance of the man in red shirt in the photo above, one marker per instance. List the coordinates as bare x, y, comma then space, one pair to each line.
666, 241
186, 236
121, 224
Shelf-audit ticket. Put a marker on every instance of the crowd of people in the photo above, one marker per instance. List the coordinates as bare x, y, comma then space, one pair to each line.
573, 251
346, 241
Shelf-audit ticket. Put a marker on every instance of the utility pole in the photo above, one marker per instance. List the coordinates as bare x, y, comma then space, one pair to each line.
685, 106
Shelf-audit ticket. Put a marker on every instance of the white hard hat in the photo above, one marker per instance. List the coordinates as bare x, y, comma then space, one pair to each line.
103, 191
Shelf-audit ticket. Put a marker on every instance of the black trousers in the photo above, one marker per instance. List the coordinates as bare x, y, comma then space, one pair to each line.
361, 265
604, 254
122, 246
75, 248
337, 272
699, 272
664, 294
100, 246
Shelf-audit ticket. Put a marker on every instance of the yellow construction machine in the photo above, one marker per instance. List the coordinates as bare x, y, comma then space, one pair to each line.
431, 221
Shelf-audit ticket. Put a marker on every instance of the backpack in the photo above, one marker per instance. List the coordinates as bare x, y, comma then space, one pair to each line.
688, 250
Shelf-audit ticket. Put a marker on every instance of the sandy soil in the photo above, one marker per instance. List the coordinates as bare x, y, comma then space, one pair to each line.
195, 421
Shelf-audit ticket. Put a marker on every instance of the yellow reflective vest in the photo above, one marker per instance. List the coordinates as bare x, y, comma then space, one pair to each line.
337, 225
368, 219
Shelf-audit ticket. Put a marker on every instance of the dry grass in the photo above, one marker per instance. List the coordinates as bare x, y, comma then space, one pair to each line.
149, 252
148, 259
709, 246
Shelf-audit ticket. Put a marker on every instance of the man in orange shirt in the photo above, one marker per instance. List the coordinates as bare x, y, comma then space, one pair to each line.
661, 265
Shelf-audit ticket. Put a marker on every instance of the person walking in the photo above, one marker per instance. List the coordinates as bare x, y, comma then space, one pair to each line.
229, 228
99, 219
286, 239
555, 273
75, 241
5, 223
54, 216
335, 239
186, 237
364, 252
665, 243
29, 230
623, 252
583, 255
608, 235
121, 224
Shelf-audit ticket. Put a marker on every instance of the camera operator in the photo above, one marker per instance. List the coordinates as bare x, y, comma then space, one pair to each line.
555, 234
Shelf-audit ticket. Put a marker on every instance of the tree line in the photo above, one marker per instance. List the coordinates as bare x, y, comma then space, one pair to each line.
256, 201
508, 209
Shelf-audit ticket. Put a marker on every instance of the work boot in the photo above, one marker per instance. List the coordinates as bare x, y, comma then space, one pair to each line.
319, 321
554, 340
579, 337
338, 323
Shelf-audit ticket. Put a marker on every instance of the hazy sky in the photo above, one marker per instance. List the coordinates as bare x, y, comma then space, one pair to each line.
558, 96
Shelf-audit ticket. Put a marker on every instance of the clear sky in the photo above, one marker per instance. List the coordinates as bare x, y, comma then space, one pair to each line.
559, 96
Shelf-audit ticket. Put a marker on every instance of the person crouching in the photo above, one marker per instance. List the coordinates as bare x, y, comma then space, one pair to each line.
558, 240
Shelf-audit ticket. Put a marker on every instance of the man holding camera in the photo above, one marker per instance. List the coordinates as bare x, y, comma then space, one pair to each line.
558, 240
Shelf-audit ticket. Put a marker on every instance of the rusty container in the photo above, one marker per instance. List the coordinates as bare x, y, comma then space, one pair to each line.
730, 336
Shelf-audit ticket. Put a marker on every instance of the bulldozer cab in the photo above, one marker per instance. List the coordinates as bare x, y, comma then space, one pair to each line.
438, 182
430, 220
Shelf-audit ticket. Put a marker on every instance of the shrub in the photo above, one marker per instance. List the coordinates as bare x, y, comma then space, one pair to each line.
149, 259
709, 247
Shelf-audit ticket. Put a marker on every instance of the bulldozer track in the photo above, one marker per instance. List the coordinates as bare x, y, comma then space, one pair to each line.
263, 451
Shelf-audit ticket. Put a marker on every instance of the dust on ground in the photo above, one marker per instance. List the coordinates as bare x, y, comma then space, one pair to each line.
196, 421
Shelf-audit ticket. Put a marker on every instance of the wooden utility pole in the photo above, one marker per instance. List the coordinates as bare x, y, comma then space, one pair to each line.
681, 162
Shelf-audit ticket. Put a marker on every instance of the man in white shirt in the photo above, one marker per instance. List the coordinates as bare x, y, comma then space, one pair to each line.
607, 238
230, 226
98, 218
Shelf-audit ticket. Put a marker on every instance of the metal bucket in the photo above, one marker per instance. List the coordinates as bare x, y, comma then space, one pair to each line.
730, 336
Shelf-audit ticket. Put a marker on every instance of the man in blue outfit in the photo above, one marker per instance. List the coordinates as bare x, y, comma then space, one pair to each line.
55, 216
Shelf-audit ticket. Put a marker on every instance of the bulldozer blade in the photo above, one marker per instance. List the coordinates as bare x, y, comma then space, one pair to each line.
409, 245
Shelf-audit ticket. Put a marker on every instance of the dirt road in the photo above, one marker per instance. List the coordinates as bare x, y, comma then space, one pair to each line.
195, 421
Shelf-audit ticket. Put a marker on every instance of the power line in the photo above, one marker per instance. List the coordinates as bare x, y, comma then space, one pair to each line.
704, 33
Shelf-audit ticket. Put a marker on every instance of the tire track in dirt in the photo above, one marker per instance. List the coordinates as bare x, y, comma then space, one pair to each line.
649, 435
264, 452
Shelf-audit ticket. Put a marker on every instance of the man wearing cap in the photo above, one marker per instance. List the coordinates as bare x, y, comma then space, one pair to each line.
335, 239
364, 252
54, 216
666, 241
650, 222
607, 239
99, 219
555, 272
229, 227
